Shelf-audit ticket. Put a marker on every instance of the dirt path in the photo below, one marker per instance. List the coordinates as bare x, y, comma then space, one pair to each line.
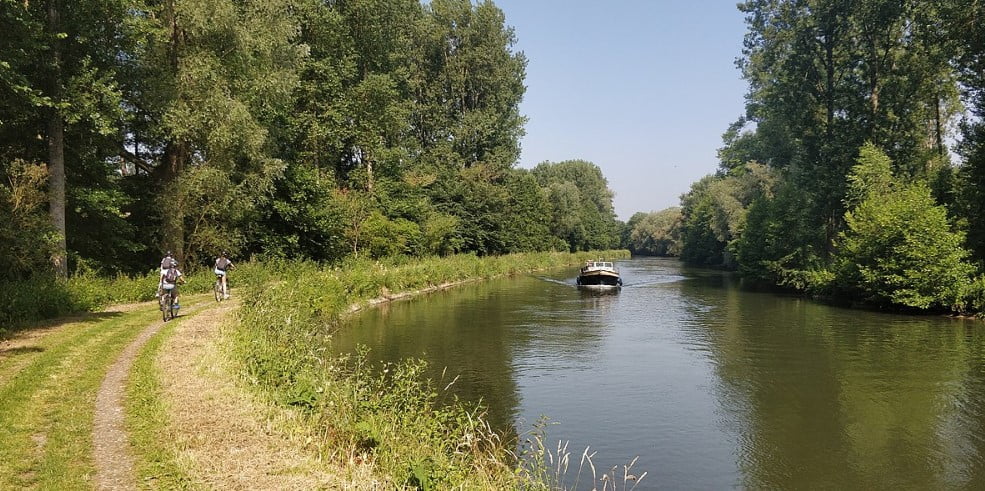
111, 447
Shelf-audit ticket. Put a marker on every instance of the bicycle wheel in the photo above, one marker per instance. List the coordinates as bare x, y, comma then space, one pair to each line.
217, 290
165, 305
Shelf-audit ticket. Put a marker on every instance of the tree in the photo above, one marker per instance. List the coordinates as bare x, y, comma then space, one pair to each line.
656, 233
468, 84
582, 214
827, 75
965, 33
57, 77
714, 212
211, 76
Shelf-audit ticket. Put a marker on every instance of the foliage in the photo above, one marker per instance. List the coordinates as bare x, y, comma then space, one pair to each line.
872, 176
974, 296
714, 212
776, 243
25, 229
656, 233
846, 101
899, 249
580, 204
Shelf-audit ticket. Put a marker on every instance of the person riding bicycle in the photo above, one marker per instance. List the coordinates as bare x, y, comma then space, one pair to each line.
223, 264
166, 263
170, 279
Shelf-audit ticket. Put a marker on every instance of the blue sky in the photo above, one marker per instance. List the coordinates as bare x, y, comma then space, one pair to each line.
642, 88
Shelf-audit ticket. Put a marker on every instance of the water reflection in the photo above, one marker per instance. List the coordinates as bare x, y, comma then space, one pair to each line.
713, 386
821, 396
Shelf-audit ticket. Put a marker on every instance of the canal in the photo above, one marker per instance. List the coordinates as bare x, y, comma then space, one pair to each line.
710, 384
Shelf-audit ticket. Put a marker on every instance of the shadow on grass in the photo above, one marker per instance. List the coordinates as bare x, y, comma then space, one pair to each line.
20, 350
13, 332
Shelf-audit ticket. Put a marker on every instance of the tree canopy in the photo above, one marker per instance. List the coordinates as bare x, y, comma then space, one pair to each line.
847, 101
285, 128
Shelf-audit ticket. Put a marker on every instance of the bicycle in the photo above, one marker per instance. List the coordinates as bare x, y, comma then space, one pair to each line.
217, 289
166, 302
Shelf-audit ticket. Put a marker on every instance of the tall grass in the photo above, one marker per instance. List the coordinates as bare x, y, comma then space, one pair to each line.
389, 415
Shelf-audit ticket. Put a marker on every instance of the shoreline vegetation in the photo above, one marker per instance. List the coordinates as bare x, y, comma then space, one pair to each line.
386, 416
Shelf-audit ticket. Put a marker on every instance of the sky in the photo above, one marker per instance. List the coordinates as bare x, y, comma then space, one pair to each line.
643, 89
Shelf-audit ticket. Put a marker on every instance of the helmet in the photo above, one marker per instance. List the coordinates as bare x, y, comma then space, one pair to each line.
223, 254
174, 263
169, 254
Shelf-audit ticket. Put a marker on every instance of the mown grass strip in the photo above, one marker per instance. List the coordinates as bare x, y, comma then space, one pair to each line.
46, 407
54, 337
156, 460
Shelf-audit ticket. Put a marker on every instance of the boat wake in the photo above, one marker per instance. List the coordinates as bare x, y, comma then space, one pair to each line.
552, 280
649, 282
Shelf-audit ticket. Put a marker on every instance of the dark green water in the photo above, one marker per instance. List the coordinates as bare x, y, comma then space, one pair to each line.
712, 386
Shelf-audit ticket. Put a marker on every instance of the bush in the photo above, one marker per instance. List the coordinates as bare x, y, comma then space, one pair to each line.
974, 296
899, 249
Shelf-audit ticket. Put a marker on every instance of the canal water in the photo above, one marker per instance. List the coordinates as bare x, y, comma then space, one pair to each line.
712, 385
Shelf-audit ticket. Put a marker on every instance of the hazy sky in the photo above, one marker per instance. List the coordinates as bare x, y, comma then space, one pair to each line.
642, 88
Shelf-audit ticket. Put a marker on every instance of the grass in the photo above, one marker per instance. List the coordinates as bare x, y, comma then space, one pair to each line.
388, 416
47, 398
155, 459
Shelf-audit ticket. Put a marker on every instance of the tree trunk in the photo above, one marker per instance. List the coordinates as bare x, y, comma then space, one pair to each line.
56, 150
176, 155
175, 159
938, 125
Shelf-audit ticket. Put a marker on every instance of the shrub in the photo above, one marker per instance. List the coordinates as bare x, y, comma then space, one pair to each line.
899, 249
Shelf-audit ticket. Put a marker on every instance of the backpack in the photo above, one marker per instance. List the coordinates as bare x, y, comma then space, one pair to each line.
222, 263
171, 276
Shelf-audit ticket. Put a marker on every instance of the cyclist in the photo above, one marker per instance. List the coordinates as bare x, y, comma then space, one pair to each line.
222, 264
170, 279
166, 263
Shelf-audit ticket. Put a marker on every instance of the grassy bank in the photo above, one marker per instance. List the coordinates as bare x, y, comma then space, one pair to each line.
389, 416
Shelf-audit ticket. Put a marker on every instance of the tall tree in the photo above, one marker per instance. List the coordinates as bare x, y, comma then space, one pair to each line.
212, 76
582, 213
468, 83
826, 75
58, 72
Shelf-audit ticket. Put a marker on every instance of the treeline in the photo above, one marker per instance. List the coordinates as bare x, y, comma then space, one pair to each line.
839, 179
310, 129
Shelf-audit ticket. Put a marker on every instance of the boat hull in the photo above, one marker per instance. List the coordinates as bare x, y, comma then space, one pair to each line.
599, 279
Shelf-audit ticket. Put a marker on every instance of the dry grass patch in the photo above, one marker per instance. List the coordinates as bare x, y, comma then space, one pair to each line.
227, 438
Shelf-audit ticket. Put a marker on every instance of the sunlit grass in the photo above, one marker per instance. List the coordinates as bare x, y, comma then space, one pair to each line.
47, 401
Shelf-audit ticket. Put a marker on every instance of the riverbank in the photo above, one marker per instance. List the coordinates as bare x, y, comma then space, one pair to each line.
385, 417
